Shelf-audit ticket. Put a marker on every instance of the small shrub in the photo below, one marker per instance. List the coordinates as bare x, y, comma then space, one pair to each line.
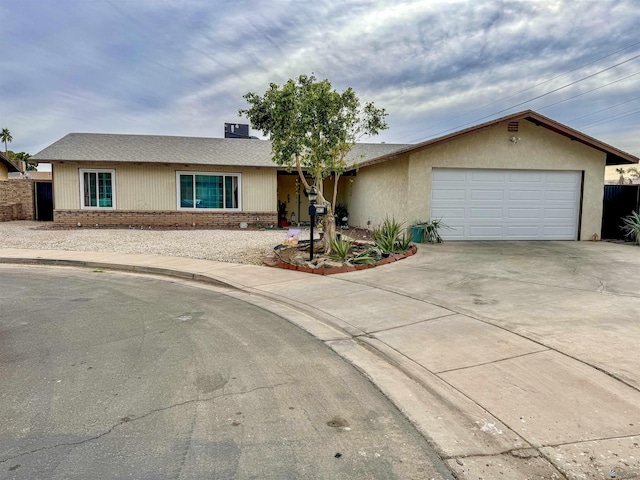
340, 248
431, 230
404, 242
631, 227
387, 236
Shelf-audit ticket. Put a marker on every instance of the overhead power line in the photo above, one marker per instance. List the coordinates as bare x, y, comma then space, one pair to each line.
604, 109
588, 91
610, 119
537, 96
521, 91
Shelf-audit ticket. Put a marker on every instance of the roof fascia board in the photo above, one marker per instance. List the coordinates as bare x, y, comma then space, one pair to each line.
529, 115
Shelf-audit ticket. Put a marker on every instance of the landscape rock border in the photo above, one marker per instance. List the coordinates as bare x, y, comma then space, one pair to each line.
326, 270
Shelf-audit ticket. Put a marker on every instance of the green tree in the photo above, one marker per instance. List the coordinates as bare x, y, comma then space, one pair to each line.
23, 157
313, 127
5, 137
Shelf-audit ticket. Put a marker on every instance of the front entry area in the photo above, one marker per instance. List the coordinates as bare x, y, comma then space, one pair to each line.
484, 204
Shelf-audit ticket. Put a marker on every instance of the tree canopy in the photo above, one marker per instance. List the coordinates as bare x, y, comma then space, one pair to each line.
22, 157
5, 136
313, 127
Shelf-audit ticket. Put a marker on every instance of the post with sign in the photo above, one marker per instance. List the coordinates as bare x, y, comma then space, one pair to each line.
313, 196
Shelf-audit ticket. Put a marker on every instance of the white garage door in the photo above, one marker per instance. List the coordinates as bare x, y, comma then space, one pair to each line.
506, 204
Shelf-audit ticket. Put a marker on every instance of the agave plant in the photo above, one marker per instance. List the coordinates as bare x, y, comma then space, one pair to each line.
340, 248
387, 236
631, 227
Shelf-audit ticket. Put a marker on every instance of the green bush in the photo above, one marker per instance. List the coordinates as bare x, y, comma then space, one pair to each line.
631, 227
340, 248
431, 230
387, 237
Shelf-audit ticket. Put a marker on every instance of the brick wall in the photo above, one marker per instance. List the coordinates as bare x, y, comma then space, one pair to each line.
162, 219
16, 200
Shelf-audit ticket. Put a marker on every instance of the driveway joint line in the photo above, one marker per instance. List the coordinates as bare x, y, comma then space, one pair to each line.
492, 362
409, 324
420, 382
578, 442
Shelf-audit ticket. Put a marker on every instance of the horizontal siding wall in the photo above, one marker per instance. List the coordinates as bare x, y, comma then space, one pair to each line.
66, 186
153, 187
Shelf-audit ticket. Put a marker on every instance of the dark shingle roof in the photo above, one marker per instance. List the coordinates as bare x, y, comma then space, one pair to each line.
97, 147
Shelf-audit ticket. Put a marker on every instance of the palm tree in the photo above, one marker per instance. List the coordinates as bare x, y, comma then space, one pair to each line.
5, 137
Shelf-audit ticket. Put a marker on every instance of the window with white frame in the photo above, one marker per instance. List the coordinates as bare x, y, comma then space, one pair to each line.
208, 190
97, 188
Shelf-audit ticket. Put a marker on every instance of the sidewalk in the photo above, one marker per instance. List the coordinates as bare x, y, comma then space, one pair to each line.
494, 403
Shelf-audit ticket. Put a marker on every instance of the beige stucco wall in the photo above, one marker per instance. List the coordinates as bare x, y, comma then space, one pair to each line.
379, 191
153, 187
402, 187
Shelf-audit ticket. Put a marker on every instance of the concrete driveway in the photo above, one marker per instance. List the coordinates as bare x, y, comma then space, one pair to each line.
543, 335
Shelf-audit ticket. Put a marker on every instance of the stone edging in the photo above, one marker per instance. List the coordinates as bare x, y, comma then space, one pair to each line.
345, 268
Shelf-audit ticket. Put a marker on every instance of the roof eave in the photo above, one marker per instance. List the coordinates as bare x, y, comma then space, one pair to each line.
615, 156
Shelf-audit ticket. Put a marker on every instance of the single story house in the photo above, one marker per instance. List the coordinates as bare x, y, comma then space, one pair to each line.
164, 181
522, 176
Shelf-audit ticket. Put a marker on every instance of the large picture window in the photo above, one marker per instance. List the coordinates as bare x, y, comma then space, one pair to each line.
97, 188
208, 190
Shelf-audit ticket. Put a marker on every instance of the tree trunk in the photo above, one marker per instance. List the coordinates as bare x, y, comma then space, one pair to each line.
329, 228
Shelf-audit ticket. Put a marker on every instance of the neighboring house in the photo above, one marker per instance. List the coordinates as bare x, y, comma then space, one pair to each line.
7, 166
163, 181
522, 176
16, 196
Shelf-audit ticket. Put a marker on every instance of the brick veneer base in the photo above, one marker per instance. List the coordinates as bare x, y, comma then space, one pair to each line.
16, 200
162, 219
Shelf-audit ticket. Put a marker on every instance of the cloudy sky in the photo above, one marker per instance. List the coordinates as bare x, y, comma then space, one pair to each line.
180, 67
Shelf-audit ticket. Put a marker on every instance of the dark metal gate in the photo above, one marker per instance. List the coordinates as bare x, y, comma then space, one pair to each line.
43, 193
619, 201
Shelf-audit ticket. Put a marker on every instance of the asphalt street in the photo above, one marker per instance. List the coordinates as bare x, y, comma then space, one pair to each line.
112, 375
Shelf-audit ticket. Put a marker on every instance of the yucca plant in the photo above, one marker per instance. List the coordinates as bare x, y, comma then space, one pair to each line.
340, 248
431, 230
631, 227
404, 242
386, 237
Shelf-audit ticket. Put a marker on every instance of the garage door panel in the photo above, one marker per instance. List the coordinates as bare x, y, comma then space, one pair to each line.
561, 196
558, 213
482, 194
562, 177
457, 232
449, 175
523, 213
485, 232
450, 213
487, 176
525, 194
486, 213
448, 194
522, 176
506, 204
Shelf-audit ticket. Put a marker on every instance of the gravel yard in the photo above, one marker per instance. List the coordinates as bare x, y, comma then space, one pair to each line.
235, 246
